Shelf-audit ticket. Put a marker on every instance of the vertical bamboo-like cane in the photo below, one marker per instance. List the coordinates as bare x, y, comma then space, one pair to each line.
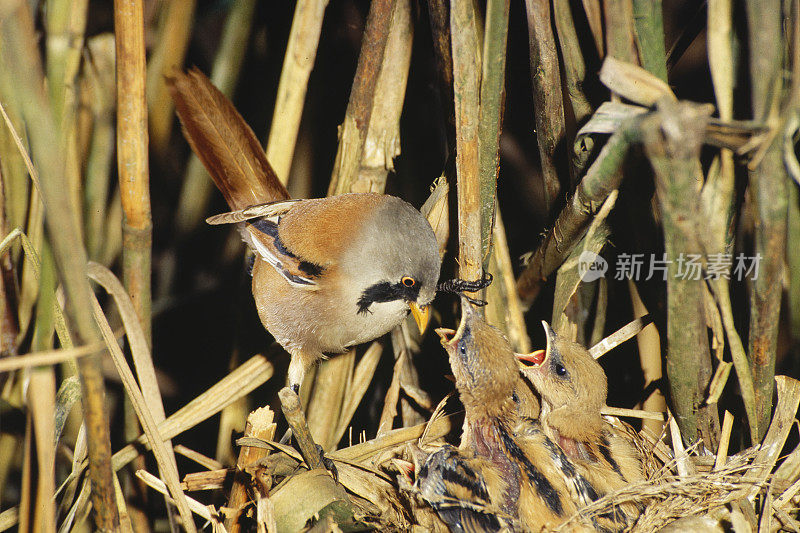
769, 195
466, 86
672, 140
618, 23
491, 111
359, 108
649, 24
132, 156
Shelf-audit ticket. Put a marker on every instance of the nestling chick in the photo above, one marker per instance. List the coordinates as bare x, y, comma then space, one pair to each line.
573, 389
329, 273
503, 467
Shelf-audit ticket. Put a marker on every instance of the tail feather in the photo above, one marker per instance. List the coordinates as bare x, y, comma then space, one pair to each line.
224, 142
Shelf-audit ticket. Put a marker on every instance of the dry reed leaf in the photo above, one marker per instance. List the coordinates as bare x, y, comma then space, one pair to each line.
161, 450
633, 413
198, 508
140, 349
782, 421
437, 428
569, 274
68, 393
436, 210
307, 496
626, 332
362, 377
374, 487
48, 357
197, 457
682, 461
34, 261
237, 384
633, 82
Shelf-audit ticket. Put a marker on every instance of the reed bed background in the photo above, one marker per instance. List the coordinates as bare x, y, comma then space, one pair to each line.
133, 369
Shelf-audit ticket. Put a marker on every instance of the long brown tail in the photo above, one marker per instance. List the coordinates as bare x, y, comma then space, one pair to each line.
224, 142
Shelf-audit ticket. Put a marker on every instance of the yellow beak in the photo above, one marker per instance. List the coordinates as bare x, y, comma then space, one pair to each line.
421, 315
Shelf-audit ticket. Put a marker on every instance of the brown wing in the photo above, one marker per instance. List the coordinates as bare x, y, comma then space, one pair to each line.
224, 142
321, 229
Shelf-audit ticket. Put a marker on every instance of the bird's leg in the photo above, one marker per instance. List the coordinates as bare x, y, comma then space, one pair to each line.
298, 366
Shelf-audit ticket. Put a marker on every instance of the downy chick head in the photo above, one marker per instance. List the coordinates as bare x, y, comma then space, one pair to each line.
572, 385
483, 364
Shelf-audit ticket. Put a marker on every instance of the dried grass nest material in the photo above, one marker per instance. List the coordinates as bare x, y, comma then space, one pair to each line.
686, 490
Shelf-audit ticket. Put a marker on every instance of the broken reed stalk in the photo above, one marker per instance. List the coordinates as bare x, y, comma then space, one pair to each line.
382, 144
21, 59
298, 61
259, 425
174, 31
197, 186
132, 156
672, 137
492, 95
360, 106
601, 178
547, 98
466, 87
768, 192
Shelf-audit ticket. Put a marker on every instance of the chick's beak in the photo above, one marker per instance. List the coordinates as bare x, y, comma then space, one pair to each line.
421, 315
535, 358
446, 335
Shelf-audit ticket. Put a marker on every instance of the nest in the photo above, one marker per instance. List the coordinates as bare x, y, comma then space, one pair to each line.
686, 489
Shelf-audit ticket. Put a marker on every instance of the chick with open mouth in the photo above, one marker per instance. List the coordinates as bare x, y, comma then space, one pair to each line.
506, 474
573, 389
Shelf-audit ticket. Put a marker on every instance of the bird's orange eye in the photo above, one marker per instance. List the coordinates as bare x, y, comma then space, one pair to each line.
408, 281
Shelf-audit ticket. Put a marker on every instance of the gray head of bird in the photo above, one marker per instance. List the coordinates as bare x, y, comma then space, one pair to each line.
483, 364
397, 262
572, 386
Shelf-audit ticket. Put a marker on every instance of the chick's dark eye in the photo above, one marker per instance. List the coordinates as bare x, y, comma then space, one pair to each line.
560, 370
408, 281
462, 348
